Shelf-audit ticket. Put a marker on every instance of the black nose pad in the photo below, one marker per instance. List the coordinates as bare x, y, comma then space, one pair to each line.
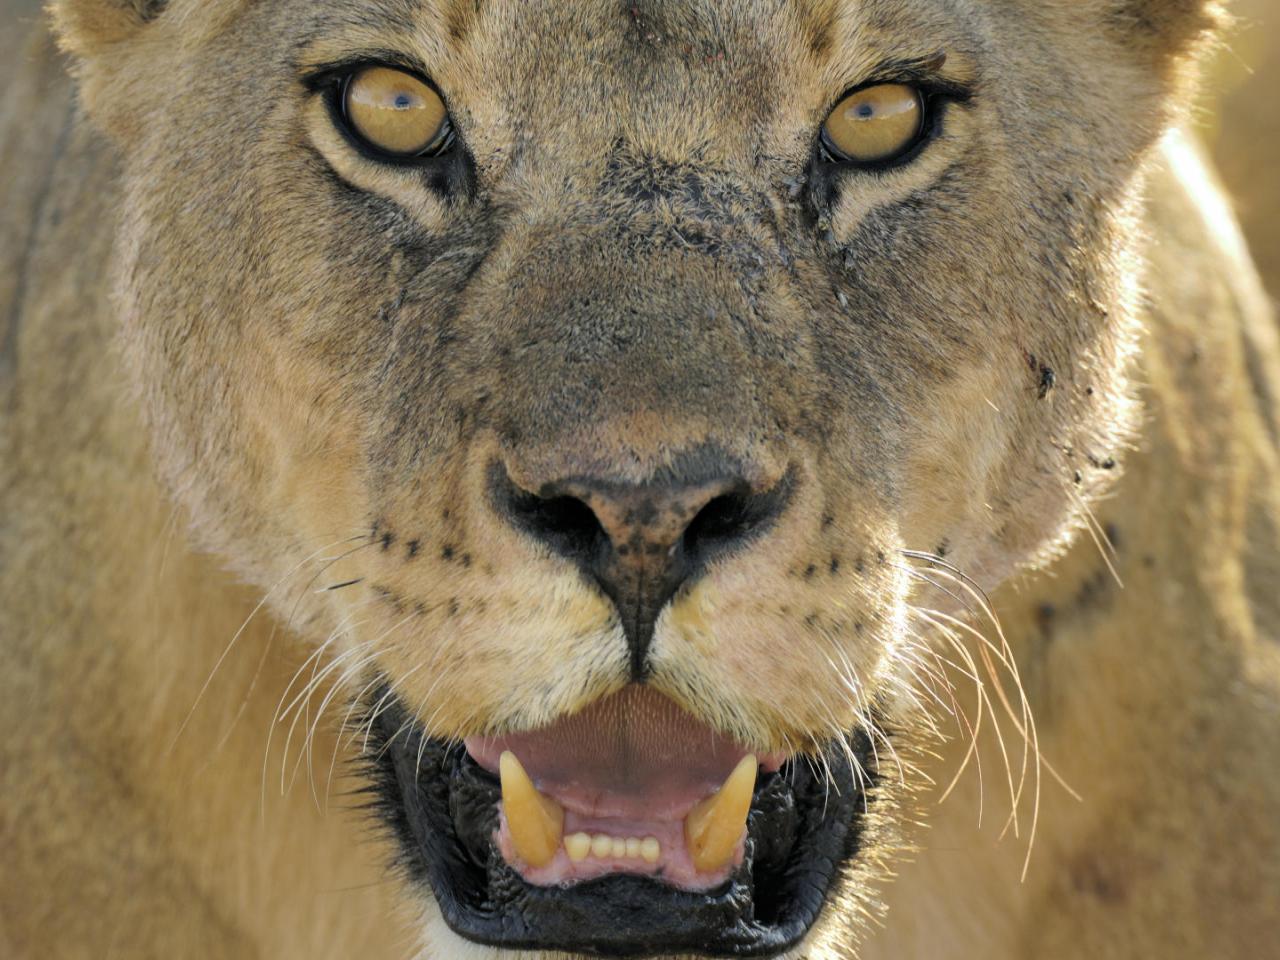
640, 542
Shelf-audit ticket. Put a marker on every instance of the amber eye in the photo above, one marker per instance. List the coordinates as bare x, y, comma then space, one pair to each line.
395, 113
875, 124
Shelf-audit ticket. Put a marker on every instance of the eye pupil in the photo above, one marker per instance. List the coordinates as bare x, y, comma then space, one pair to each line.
403, 101
866, 111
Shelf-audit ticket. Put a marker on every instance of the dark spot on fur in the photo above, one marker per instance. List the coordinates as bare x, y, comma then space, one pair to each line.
943, 548
1108, 464
389, 596
880, 557
387, 540
459, 16
860, 565
809, 571
822, 35
150, 9
1077, 476
454, 606
811, 620
1093, 589
466, 559
1092, 877
827, 521
1045, 614
857, 627
834, 566
414, 546
1048, 379
1113, 535
447, 553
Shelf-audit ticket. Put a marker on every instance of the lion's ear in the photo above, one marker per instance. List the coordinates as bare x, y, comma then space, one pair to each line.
1167, 29
88, 27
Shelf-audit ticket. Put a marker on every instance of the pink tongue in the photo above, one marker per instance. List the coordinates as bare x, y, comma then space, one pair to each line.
633, 755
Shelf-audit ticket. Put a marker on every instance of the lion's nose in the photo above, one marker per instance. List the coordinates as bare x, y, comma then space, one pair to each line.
641, 541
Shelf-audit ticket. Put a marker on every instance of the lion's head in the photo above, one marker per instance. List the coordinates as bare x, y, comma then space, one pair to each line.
617, 357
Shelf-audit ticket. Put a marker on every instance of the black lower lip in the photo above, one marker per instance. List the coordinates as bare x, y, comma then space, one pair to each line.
805, 822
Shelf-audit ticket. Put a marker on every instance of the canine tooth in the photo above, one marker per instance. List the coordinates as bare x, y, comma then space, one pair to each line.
713, 828
578, 846
650, 849
601, 846
536, 821
619, 848
633, 848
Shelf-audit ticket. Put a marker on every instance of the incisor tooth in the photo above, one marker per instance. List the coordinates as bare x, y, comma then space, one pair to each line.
619, 848
536, 821
650, 849
633, 848
713, 828
578, 846
601, 846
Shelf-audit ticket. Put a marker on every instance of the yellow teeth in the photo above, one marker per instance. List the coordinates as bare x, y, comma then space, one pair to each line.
536, 822
601, 846
650, 849
579, 846
713, 828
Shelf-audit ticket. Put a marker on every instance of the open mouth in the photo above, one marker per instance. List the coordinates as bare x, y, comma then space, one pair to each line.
630, 828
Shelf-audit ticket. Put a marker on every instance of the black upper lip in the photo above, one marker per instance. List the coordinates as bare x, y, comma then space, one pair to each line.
805, 822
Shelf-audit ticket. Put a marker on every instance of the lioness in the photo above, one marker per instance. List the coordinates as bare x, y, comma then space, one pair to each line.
494, 476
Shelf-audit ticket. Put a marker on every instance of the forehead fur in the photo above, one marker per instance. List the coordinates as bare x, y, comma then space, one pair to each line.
677, 59
699, 80
1160, 27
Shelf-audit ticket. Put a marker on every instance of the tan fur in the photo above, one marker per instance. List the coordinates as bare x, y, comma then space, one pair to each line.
216, 389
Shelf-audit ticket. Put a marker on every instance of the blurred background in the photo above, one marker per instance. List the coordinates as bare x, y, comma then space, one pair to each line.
1240, 120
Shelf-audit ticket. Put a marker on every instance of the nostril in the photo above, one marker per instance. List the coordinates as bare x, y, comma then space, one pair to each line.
733, 518
565, 523
725, 517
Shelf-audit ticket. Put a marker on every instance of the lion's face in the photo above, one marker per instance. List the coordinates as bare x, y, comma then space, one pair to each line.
635, 382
